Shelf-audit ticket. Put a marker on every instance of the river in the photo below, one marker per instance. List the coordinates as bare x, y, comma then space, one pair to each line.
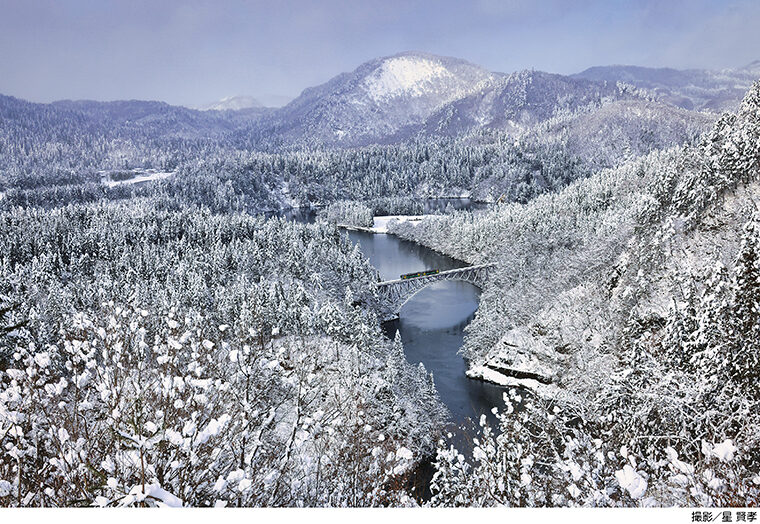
433, 321
432, 325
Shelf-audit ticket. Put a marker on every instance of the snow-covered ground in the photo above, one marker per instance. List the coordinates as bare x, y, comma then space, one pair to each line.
491, 375
141, 175
380, 224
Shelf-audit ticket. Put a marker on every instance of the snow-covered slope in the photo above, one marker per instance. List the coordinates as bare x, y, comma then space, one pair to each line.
233, 103
380, 99
516, 101
410, 76
627, 128
689, 89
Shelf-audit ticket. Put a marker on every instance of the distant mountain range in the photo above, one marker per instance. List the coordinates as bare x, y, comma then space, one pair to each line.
233, 103
238, 102
698, 89
416, 94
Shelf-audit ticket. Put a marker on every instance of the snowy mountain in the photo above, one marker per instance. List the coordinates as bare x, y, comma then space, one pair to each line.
233, 103
420, 95
690, 89
122, 118
414, 94
379, 99
518, 100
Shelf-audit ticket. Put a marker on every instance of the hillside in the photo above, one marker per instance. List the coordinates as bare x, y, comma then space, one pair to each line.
697, 89
628, 304
380, 99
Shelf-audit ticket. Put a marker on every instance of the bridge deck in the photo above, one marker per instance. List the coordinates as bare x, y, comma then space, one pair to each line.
435, 276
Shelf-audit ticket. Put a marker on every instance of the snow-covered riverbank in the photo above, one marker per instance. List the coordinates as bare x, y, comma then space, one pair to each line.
380, 224
140, 175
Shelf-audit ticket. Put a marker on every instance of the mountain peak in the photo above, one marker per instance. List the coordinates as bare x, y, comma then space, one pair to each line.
407, 74
381, 97
233, 103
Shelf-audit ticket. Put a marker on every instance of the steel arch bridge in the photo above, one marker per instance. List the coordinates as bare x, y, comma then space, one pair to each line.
393, 294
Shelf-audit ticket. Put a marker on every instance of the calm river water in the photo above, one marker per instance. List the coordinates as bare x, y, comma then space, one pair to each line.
432, 322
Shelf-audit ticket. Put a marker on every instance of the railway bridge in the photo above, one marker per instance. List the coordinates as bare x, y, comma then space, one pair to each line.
394, 294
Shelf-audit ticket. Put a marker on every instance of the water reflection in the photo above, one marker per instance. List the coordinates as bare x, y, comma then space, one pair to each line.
392, 256
432, 327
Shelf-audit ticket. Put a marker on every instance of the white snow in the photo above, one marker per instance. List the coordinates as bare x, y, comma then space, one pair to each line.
403, 453
575, 471
631, 481
525, 479
5, 488
724, 451
491, 375
715, 484
141, 176
404, 75
220, 484
189, 428
152, 491
380, 224
678, 465
42, 359
214, 427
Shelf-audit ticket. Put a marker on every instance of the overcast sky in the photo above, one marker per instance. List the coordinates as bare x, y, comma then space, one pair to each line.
195, 52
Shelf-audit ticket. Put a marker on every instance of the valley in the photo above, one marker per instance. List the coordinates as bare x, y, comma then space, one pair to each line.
190, 311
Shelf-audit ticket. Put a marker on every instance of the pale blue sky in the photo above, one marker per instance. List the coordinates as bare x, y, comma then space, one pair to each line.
198, 51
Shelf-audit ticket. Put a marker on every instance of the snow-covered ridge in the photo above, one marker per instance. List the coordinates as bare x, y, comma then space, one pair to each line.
404, 75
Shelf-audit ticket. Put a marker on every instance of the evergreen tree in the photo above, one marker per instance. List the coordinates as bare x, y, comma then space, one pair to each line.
743, 358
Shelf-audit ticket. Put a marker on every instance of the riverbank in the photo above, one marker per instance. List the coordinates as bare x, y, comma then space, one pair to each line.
381, 223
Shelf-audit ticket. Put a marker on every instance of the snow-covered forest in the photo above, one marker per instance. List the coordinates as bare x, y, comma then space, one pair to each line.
194, 358
165, 340
632, 298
